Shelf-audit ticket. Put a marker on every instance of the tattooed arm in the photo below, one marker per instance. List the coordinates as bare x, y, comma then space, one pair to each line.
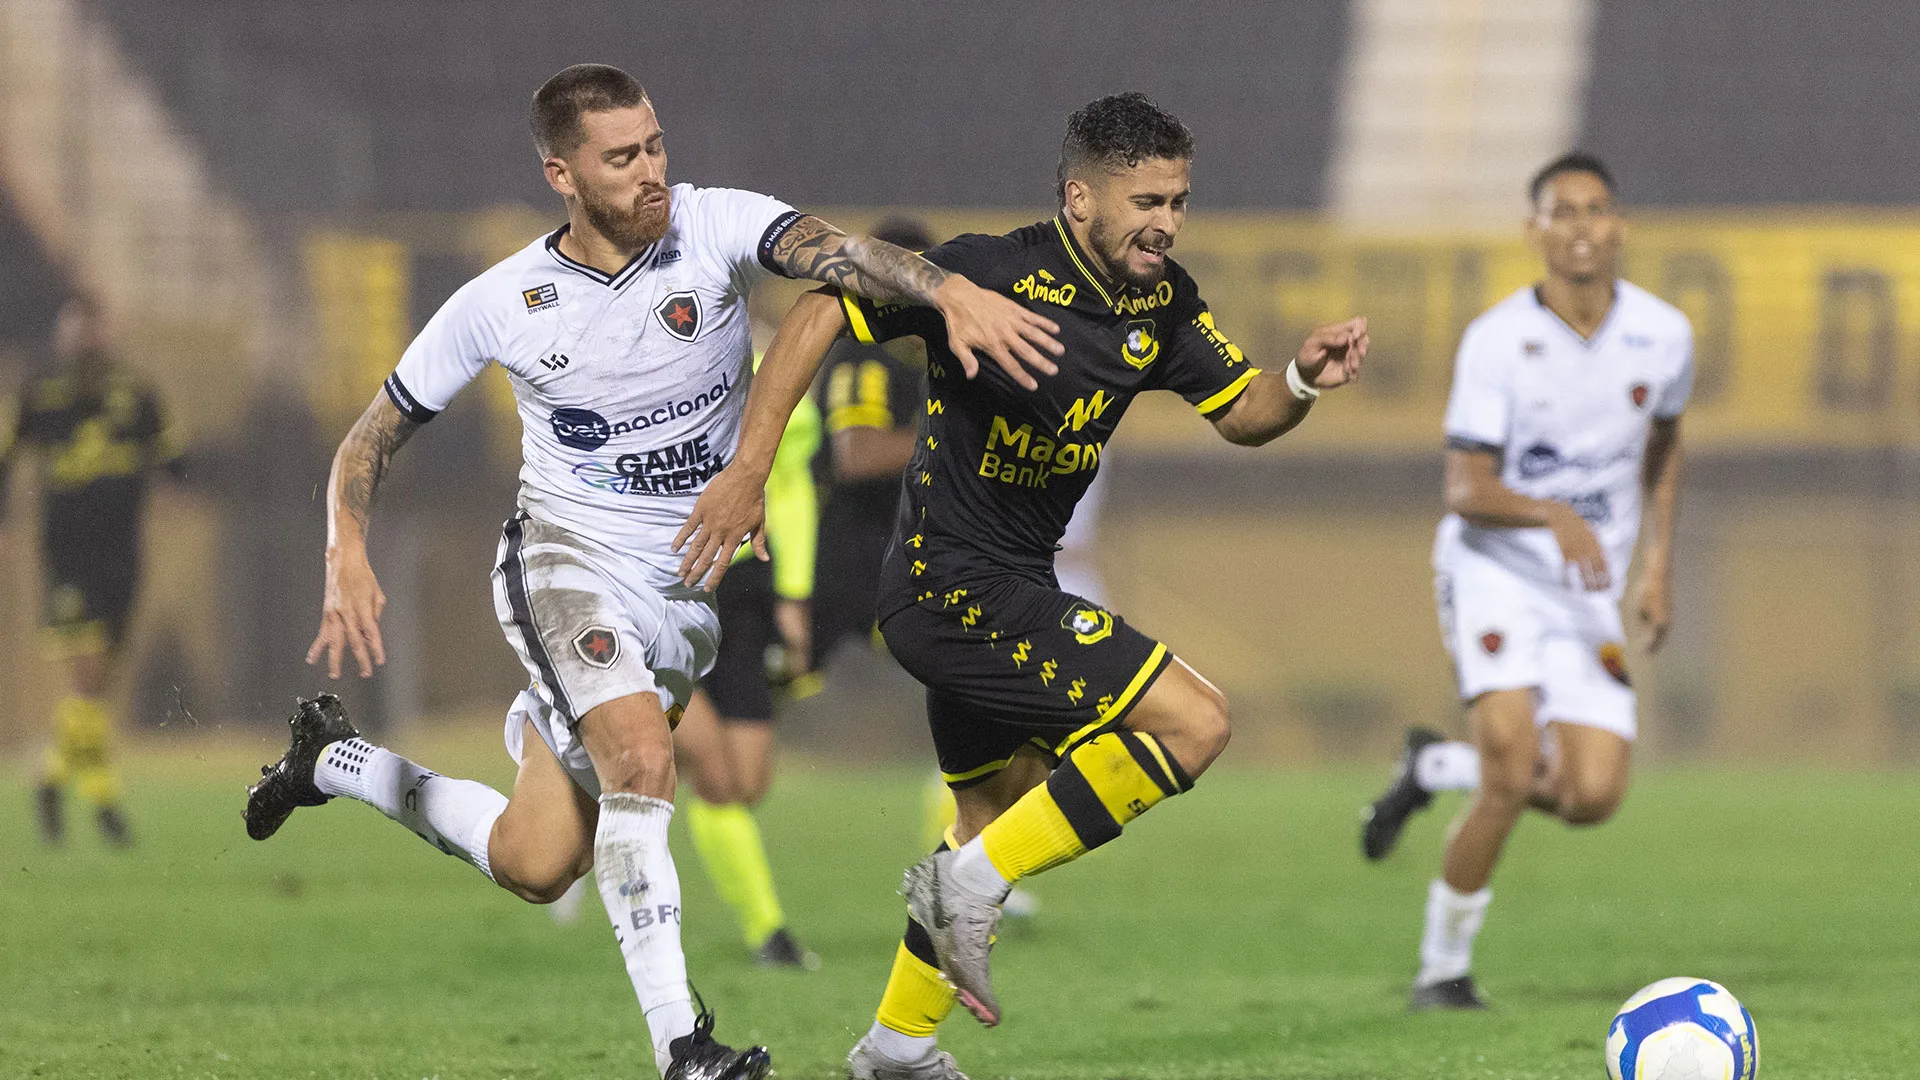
976, 318
350, 610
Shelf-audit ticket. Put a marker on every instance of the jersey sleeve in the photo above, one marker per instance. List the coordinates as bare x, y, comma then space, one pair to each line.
454, 347
974, 256
1480, 406
741, 229
1674, 396
1199, 364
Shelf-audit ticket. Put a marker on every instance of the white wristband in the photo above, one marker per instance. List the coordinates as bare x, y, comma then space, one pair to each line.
1298, 385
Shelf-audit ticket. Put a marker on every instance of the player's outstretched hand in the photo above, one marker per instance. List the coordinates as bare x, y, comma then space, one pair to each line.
1654, 609
1580, 548
732, 509
350, 614
1331, 355
983, 321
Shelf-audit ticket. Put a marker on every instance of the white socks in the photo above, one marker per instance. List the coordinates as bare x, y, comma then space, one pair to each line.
975, 872
1447, 766
455, 816
899, 1048
1446, 949
641, 891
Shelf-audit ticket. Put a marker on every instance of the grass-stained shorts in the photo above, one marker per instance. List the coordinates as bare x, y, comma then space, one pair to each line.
1009, 662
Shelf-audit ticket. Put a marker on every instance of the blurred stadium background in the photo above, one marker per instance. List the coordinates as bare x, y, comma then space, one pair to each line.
272, 196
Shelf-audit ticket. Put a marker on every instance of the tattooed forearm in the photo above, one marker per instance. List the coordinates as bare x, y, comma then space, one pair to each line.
361, 462
872, 268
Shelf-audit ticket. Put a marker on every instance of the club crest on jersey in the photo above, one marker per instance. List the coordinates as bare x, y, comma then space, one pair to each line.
679, 314
1491, 641
598, 646
1088, 623
540, 298
1141, 347
1639, 394
1613, 657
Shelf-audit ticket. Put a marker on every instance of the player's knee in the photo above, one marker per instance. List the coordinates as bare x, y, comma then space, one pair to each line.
639, 769
1507, 769
541, 880
1212, 723
1589, 802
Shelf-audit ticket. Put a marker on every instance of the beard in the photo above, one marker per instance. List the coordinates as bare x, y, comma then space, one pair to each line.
1117, 265
633, 227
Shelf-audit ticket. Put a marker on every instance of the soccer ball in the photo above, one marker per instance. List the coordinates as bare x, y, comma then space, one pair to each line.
1683, 1029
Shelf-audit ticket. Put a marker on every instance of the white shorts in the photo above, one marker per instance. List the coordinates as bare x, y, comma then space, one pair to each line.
589, 629
1507, 632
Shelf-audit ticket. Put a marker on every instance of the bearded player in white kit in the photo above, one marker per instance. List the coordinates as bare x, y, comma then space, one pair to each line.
1563, 439
626, 337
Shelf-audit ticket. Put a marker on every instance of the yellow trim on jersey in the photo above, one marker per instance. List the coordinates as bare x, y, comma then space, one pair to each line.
1232, 391
856, 319
863, 414
1084, 272
982, 770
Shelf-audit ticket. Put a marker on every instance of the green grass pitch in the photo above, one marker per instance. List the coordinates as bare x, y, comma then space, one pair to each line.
1234, 932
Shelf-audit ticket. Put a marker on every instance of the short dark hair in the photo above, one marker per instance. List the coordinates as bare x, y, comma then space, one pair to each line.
906, 232
1118, 132
582, 88
1571, 162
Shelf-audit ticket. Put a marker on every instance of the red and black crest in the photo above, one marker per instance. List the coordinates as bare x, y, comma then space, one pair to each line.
1639, 395
679, 315
1491, 641
598, 646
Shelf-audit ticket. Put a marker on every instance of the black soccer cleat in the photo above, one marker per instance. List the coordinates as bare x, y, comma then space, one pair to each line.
1381, 822
287, 784
1457, 994
781, 950
113, 827
698, 1057
50, 809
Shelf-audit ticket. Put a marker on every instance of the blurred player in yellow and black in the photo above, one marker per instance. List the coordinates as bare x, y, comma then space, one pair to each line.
98, 435
1055, 721
726, 734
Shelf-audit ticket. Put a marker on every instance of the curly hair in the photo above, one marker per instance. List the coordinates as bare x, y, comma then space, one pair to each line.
1118, 132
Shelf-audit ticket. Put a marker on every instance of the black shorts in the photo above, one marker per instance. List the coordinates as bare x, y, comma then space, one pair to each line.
738, 682
856, 524
1010, 663
90, 598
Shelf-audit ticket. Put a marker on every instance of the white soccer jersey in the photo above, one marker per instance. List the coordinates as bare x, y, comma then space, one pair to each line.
630, 386
1568, 415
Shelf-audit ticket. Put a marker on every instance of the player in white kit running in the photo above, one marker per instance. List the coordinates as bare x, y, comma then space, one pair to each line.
626, 338
1563, 437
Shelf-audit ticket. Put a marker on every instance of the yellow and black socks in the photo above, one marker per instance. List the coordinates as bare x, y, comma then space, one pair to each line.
728, 841
1104, 783
917, 998
82, 731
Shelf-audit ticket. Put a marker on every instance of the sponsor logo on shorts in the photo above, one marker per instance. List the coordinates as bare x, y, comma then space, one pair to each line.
598, 646
1639, 394
1088, 623
540, 298
1491, 641
1613, 657
679, 314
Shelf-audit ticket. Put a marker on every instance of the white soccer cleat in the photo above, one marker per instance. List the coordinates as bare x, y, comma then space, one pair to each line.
961, 924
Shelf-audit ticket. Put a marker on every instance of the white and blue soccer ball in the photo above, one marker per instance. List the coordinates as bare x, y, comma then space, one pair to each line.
1683, 1029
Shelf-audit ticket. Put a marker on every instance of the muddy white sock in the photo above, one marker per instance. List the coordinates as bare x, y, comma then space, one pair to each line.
453, 815
641, 891
1453, 918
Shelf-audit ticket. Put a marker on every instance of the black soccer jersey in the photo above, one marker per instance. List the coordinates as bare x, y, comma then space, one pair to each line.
999, 468
99, 447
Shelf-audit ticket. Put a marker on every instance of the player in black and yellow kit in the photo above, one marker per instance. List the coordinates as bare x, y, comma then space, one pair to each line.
1055, 721
99, 435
